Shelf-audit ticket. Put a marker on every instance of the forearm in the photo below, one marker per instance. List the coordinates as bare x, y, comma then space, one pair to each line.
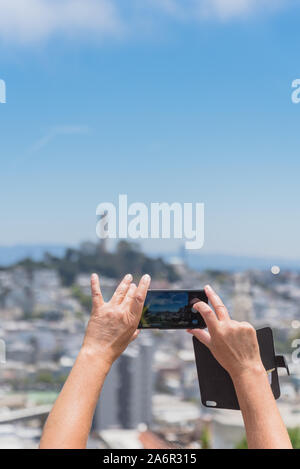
69, 422
264, 426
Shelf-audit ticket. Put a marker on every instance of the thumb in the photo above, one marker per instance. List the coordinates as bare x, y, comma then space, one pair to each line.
202, 335
135, 335
96, 291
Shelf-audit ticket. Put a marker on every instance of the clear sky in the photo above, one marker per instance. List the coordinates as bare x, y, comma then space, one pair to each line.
186, 101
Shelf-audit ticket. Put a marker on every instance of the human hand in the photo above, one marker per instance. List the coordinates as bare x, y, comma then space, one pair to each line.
233, 344
113, 325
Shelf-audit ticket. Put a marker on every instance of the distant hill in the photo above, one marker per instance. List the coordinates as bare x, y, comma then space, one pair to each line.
11, 254
201, 261
88, 257
238, 263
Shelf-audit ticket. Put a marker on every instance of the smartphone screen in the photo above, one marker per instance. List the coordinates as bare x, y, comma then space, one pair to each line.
172, 309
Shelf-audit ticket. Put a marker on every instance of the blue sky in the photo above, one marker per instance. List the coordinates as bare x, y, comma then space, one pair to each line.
157, 102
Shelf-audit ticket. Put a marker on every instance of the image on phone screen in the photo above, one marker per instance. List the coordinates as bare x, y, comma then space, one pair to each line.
172, 309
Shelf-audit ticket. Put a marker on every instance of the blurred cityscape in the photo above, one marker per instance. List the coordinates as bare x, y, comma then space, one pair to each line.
151, 397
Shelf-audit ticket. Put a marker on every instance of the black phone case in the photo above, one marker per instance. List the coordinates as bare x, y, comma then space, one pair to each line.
216, 387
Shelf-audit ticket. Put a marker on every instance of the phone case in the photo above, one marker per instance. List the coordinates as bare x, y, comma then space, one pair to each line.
216, 387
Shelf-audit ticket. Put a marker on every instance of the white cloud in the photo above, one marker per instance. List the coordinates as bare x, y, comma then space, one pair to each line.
215, 9
51, 135
56, 132
227, 9
25, 21
34, 20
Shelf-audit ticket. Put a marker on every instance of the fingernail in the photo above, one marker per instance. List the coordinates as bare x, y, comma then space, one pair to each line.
128, 277
146, 278
208, 288
94, 276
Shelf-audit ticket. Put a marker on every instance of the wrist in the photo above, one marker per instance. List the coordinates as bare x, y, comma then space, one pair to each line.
95, 358
249, 373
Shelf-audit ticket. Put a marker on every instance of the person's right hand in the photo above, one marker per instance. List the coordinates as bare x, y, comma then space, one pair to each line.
233, 344
113, 324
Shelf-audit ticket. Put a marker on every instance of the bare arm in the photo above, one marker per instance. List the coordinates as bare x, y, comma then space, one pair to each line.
264, 426
111, 328
235, 347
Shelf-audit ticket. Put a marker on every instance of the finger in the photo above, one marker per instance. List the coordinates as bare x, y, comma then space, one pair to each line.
202, 335
122, 290
96, 291
129, 296
135, 335
140, 296
208, 315
217, 304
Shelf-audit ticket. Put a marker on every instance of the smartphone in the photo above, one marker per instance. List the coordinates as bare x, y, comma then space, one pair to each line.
172, 309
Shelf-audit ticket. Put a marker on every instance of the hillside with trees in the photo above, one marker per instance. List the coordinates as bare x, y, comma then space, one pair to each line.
93, 257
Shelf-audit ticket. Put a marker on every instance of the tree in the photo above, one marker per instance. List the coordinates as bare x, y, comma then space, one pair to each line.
294, 434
